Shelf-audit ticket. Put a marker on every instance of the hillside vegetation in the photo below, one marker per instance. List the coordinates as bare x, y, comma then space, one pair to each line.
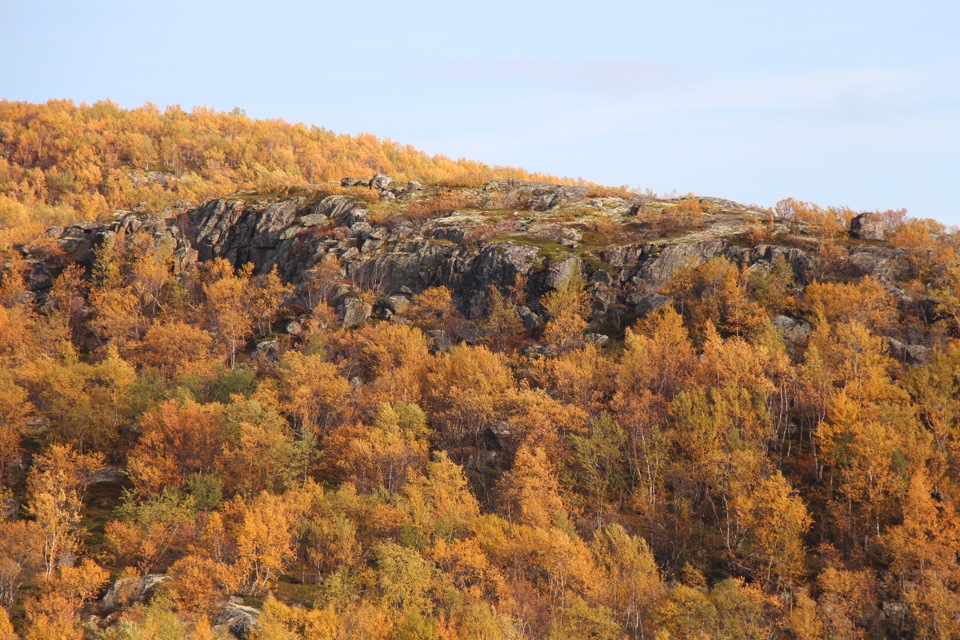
60, 163
478, 409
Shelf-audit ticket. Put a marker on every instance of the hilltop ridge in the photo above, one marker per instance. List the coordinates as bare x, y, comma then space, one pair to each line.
391, 238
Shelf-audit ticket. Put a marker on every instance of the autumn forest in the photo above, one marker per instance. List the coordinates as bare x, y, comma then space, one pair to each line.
761, 440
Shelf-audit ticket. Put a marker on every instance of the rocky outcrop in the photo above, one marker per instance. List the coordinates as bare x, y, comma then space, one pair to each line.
560, 230
240, 620
59, 247
127, 591
868, 226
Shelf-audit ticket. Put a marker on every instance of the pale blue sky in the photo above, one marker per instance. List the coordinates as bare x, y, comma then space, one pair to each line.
842, 102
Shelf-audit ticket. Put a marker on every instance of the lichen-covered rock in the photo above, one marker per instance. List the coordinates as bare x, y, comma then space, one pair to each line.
530, 320
562, 272
439, 340
355, 311
240, 620
127, 591
380, 181
868, 226
468, 250
398, 304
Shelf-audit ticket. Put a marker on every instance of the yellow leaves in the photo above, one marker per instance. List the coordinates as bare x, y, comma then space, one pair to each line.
857, 360
468, 567
441, 504
660, 356
775, 519
177, 440
405, 578
716, 292
6, 627
201, 584
384, 454
229, 296
631, 584
567, 308
846, 602
928, 537
264, 540
433, 309
282, 622
465, 388
176, 348
530, 492
866, 302
312, 391
55, 489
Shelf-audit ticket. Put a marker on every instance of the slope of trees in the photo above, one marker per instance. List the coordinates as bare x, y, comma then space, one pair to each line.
700, 479
170, 448
60, 162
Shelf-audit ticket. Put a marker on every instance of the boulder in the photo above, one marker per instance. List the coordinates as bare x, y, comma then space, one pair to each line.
360, 229
597, 339
313, 220
380, 181
648, 304
795, 331
530, 320
439, 340
467, 331
398, 304
868, 226
913, 354
355, 311
240, 620
413, 185
560, 273
268, 350
336, 207
347, 182
786, 323
127, 591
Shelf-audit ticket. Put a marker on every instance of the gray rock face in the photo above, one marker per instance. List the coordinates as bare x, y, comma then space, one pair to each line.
380, 181
313, 220
868, 226
355, 311
398, 304
561, 273
786, 323
914, 354
648, 304
240, 620
394, 256
78, 243
127, 591
439, 340
530, 320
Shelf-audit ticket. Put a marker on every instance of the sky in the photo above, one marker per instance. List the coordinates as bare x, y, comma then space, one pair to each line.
840, 102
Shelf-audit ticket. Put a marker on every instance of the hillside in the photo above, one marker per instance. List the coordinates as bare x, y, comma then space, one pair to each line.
62, 163
477, 406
